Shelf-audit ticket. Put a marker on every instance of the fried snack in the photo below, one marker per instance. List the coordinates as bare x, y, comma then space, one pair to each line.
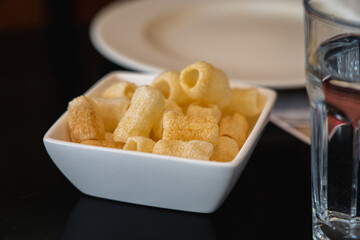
157, 130
225, 150
244, 101
203, 109
140, 144
112, 110
180, 127
172, 106
188, 149
234, 126
84, 120
168, 83
109, 137
145, 109
120, 89
203, 82
108, 141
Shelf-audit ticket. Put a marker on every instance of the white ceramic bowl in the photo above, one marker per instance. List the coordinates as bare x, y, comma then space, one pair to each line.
150, 179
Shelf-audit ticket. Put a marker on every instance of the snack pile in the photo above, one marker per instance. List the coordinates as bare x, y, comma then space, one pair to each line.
192, 113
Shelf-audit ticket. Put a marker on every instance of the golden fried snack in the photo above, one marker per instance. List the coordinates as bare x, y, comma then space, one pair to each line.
112, 110
109, 137
234, 126
120, 89
168, 83
158, 126
244, 101
140, 144
84, 120
188, 149
203, 109
145, 109
108, 141
203, 82
225, 150
172, 106
180, 127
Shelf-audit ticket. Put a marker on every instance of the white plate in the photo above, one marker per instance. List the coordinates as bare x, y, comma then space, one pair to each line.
257, 41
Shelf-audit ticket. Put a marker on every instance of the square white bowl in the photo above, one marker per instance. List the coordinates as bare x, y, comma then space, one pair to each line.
145, 178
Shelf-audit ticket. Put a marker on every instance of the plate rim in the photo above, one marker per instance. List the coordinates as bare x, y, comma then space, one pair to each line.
129, 62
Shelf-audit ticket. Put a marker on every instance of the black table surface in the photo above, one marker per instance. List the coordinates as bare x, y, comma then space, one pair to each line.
40, 71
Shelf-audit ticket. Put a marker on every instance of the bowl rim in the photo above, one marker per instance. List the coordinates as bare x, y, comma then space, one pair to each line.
260, 124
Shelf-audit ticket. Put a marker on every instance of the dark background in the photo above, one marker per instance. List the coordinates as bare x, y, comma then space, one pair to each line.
46, 59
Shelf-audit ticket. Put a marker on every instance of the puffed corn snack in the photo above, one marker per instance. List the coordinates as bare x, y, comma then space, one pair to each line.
192, 113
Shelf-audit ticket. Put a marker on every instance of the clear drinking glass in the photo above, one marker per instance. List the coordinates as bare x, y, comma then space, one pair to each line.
332, 30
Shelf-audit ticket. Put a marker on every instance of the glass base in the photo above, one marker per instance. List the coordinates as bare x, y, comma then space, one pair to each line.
338, 229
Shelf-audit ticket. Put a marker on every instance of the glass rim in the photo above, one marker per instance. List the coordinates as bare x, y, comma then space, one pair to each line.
327, 17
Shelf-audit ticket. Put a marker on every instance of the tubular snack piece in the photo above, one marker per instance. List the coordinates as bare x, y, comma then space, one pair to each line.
145, 109
120, 89
244, 101
108, 141
234, 126
168, 83
192, 149
140, 144
180, 127
225, 150
84, 120
158, 126
202, 81
200, 109
112, 110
